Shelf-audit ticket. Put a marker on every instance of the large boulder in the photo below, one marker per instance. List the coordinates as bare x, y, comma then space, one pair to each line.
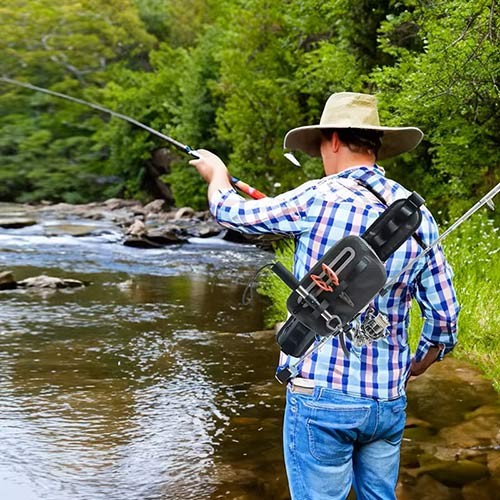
169, 234
118, 203
139, 236
454, 473
16, 222
462, 389
426, 488
140, 242
16, 216
154, 207
137, 229
184, 213
207, 229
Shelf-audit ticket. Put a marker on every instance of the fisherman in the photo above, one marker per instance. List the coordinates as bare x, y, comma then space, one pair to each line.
345, 414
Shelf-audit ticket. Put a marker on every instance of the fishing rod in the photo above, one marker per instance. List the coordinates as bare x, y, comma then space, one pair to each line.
238, 183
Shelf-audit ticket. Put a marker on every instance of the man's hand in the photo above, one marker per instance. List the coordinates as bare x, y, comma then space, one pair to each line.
419, 367
213, 170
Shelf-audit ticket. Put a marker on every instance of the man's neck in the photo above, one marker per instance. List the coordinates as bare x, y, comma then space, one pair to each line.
345, 162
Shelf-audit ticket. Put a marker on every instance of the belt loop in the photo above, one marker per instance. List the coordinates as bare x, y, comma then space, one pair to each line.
318, 392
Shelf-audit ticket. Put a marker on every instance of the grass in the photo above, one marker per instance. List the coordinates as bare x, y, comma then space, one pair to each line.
473, 251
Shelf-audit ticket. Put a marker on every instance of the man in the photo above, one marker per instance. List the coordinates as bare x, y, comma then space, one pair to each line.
345, 415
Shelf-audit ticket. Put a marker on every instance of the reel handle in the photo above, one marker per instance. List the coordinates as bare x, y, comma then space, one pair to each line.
285, 275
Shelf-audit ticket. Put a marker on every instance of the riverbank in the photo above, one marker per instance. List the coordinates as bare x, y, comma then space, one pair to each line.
128, 218
141, 226
451, 444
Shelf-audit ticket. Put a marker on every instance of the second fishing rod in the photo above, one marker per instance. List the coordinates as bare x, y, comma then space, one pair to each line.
237, 183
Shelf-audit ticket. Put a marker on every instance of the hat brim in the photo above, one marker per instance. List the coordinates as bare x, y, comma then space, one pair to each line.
395, 141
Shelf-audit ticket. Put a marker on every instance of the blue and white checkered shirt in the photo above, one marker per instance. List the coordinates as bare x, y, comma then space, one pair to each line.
318, 214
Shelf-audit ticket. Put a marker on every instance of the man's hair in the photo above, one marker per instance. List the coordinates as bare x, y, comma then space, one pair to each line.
358, 140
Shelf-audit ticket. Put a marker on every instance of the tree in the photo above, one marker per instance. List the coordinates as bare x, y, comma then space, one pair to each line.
71, 48
445, 80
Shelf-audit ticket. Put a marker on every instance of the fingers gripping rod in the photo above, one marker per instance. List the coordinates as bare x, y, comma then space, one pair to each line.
242, 186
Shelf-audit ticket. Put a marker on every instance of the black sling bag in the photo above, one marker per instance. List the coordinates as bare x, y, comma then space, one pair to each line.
344, 281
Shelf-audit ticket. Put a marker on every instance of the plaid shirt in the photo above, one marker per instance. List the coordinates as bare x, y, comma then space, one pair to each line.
318, 214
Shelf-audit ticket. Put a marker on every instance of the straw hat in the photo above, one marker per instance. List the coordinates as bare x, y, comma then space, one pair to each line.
352, 110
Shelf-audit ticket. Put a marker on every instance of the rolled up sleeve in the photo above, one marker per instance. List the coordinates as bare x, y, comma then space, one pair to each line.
437, 300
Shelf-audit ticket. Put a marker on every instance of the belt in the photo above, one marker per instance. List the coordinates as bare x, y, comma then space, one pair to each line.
302, 386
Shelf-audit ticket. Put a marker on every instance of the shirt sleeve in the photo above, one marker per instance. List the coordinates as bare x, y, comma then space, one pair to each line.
284, 214
437, 300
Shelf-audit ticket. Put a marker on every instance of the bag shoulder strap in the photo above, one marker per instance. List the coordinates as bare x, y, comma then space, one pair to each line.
377, 195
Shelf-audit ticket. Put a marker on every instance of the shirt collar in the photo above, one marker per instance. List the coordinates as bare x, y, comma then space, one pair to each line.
359, 170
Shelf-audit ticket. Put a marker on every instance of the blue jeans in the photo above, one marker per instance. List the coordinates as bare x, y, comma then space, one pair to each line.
333, 440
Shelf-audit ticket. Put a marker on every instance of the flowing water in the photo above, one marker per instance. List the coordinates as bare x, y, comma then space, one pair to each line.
150, 382
154, 381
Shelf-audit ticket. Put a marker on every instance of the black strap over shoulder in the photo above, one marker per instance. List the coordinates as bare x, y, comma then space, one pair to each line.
377, 195
391, 229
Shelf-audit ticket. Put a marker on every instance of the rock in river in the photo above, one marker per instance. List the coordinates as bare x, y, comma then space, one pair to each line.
137, 229
16, 222
7, 281
44, 281
15, 216
154, 207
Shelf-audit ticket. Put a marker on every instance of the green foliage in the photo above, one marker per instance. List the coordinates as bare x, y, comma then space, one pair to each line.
154, 15
233, 77
474, 255
47, 149
444, 81
273, 288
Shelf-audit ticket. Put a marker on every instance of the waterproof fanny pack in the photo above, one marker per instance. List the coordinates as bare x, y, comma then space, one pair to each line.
345, 281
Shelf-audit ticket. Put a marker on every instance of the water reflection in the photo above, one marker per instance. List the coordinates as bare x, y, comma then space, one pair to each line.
129, 388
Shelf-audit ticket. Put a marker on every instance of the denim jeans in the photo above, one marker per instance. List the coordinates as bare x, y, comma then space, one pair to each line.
333, 440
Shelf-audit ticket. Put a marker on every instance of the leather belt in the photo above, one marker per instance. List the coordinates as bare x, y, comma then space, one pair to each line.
302, 386
302, 390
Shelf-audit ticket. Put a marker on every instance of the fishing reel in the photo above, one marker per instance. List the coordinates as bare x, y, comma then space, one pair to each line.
342, 284
372, 328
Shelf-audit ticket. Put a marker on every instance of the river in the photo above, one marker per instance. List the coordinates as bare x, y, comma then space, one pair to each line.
153, 381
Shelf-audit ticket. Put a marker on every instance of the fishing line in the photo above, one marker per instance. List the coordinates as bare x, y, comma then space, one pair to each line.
248, 293
238, 183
